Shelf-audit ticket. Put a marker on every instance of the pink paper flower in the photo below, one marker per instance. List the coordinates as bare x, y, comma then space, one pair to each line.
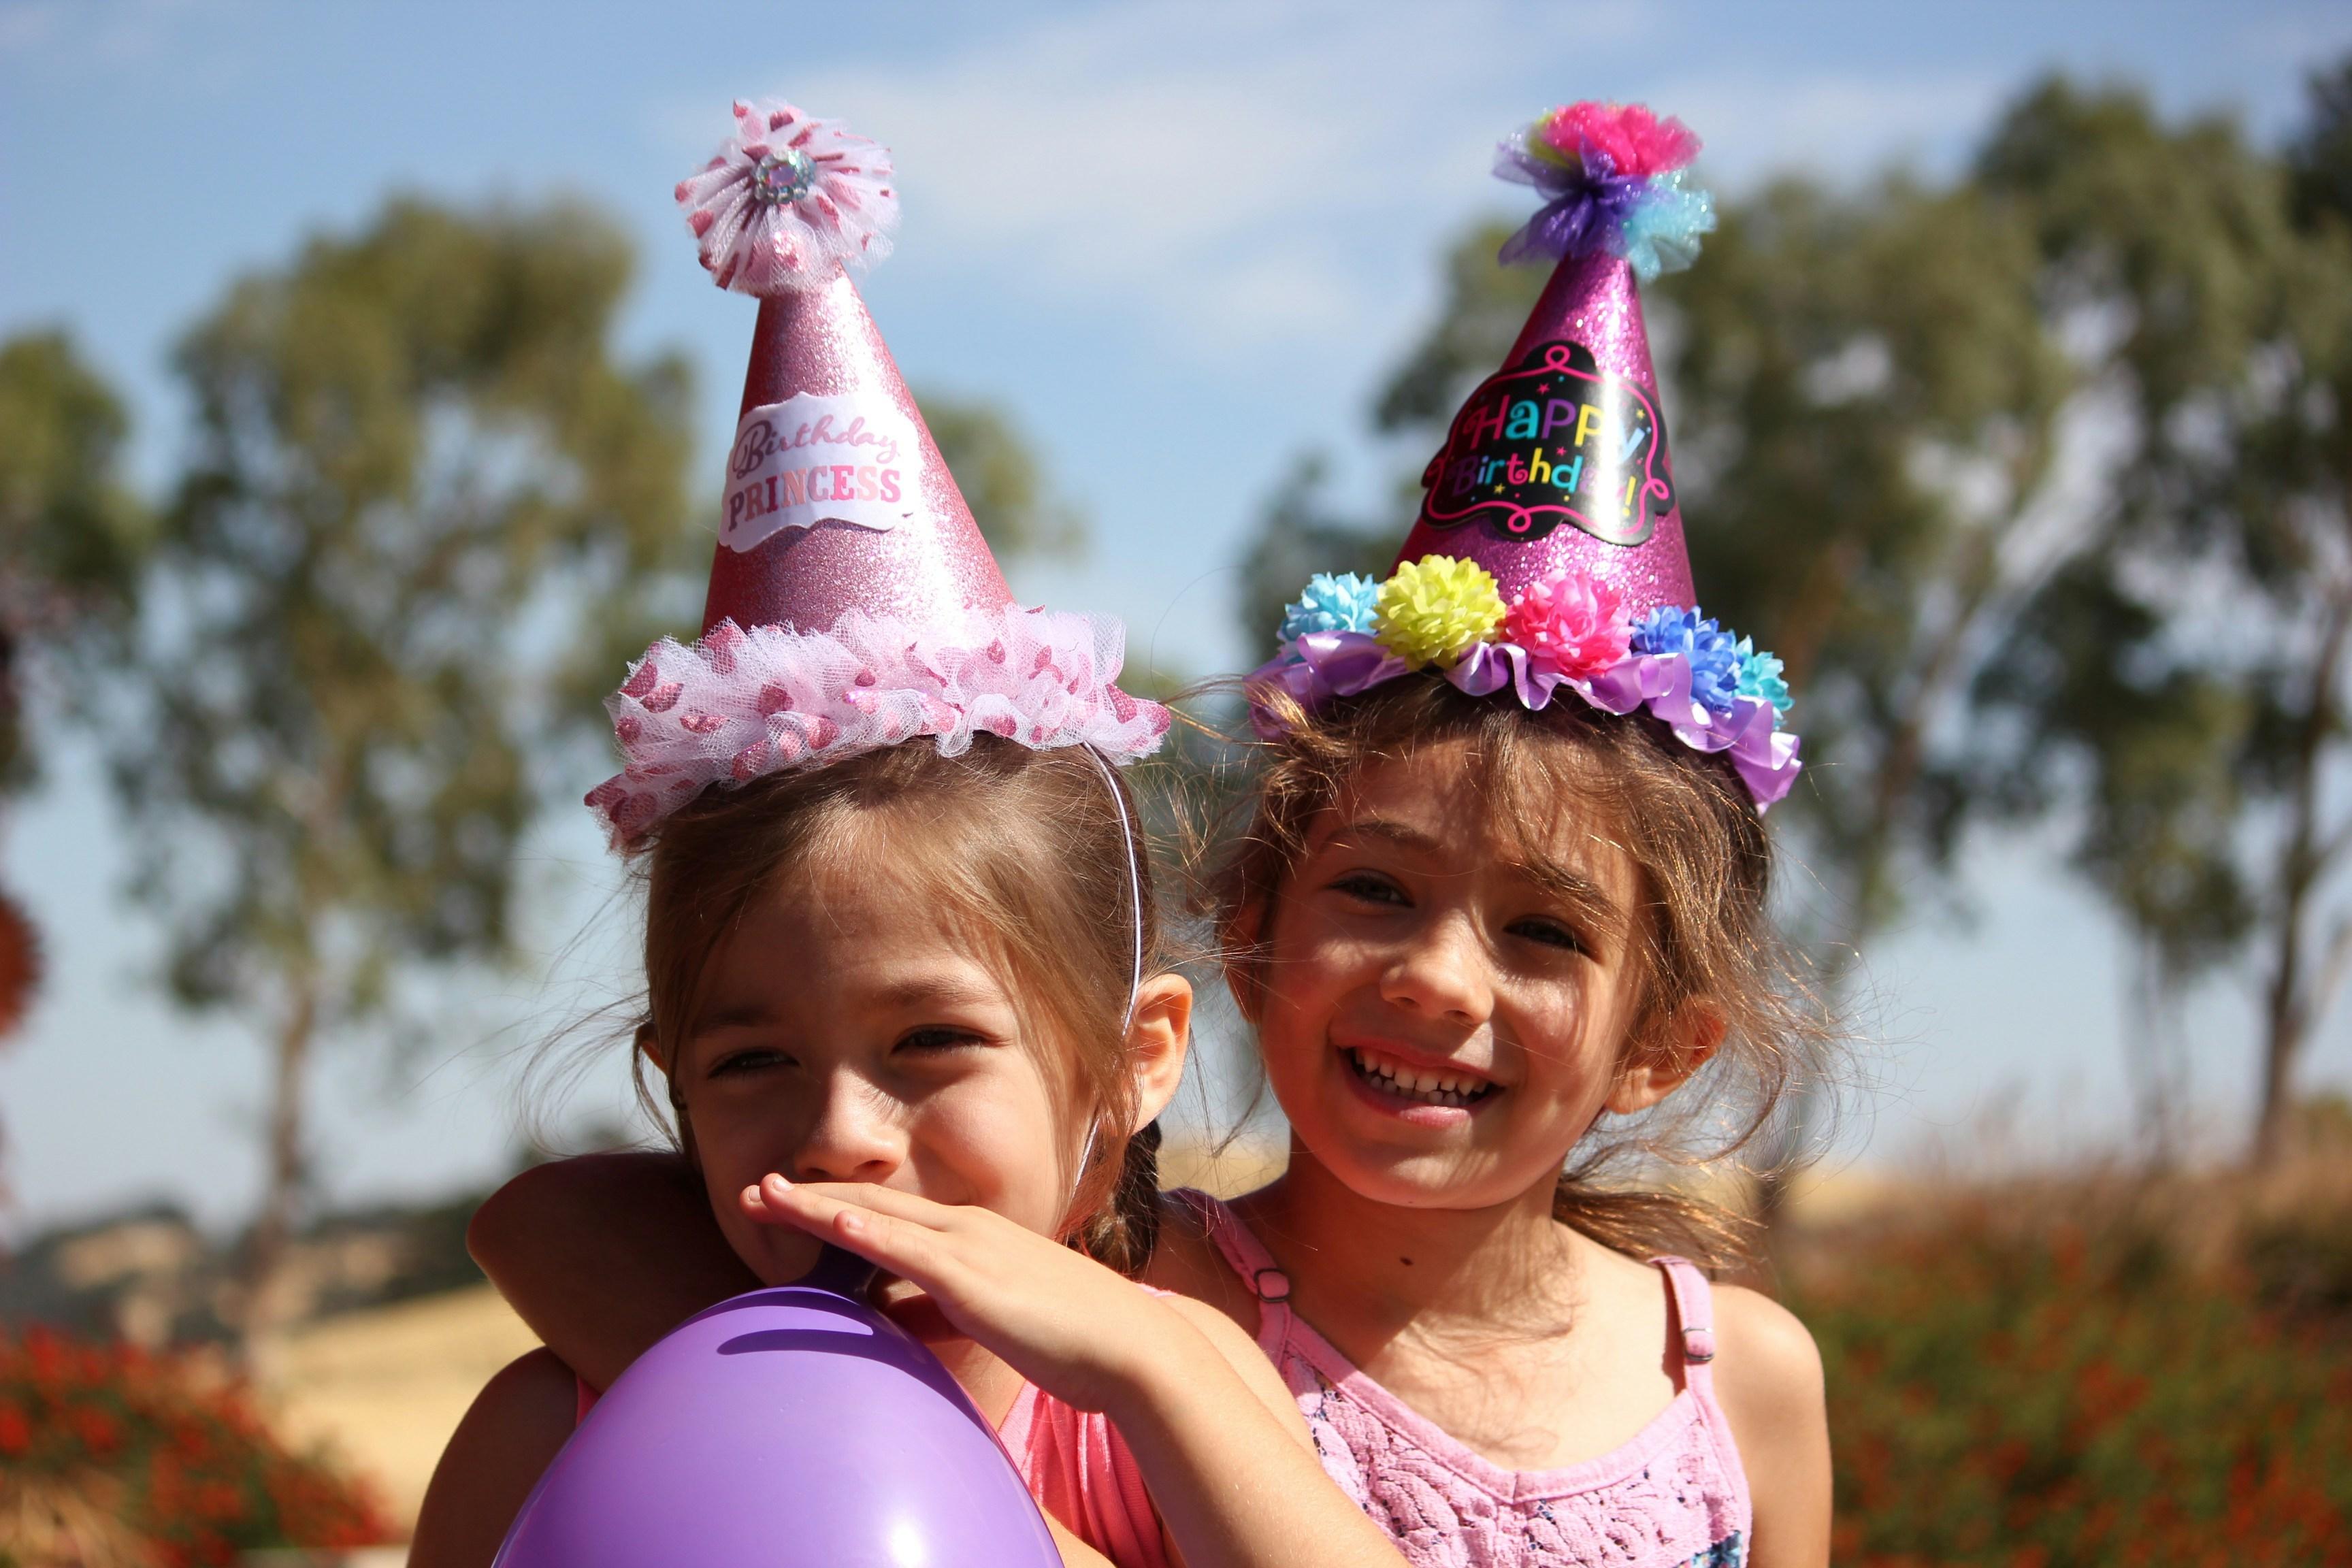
786, 198
1636, 142
1577, 624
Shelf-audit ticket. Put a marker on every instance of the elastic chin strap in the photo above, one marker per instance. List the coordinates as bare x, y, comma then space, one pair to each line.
1135, 908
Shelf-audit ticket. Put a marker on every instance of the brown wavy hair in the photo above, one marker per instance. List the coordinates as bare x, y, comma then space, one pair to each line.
1704, 936
1031, 852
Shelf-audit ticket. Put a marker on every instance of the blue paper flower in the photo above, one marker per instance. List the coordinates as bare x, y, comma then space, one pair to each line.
1333, 602
1714, 658
1759, 676
1661, 232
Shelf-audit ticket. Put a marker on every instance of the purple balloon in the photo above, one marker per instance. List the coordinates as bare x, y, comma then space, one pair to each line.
788, 1427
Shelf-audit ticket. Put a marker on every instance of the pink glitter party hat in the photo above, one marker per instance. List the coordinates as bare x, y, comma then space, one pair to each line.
853, 602
1558, 462
1548, 551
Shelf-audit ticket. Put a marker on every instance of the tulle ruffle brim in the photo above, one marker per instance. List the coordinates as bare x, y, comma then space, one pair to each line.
737, 705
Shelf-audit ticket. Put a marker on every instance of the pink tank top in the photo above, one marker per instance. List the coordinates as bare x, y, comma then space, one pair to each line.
1674, 1496
1079, 1470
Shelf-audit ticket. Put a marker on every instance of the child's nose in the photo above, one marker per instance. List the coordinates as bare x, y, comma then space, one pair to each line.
856, 1137
1442, 974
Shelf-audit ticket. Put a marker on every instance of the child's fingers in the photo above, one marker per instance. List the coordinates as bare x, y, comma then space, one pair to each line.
945, 1218
907, 1247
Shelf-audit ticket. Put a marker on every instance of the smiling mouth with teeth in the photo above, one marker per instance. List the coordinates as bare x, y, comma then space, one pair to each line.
1419, 1085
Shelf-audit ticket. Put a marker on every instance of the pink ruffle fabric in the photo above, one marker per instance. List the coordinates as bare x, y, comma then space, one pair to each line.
787, 198
737, 704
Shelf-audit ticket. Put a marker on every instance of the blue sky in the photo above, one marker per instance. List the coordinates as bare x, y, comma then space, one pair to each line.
1181, 238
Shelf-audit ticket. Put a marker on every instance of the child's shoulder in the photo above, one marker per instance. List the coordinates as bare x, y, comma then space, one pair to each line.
1768, 1371
1753, 1331
1185, 1259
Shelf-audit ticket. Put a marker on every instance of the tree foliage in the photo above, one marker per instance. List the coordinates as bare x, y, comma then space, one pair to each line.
71, 534
71, 540
2190, 664
415, 451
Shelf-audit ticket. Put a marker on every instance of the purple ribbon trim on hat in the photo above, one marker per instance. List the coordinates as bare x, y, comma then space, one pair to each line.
1320, 665
1324, 665
1766, 758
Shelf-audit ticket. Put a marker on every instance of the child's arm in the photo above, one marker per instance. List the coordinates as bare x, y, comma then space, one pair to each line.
1769, 1377
508, 1435
1237, 1485
605, 1253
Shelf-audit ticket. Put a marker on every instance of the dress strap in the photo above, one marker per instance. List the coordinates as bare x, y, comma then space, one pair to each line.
1694, 1321
1243, 1253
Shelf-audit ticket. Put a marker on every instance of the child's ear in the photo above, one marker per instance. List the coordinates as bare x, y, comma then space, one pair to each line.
1243, 963
1655, 1068
649, 1046
1158, 1036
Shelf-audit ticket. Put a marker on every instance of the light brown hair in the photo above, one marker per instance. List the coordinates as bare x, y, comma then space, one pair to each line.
1028, 848
1702, 936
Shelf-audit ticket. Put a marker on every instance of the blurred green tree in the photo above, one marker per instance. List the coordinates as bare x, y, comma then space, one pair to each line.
2191, 661
72, 535
422, 485
71, 538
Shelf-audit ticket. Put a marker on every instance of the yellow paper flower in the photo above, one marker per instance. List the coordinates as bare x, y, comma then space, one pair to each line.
1435, 608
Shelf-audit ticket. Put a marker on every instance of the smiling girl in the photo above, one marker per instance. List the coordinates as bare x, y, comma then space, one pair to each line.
1500, 916
1481, 945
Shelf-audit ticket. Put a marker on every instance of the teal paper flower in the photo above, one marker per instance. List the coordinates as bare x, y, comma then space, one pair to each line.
1333, 602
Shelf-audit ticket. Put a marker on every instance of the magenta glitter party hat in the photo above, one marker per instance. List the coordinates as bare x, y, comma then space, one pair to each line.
1548, 551
853, 602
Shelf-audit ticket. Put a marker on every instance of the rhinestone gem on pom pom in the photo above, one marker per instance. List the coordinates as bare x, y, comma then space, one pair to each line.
782, 176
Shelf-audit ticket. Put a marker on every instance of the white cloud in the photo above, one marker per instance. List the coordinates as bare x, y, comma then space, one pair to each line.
1206, 165
1240, 177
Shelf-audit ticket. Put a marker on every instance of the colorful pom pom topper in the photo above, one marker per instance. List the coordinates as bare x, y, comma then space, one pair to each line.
1548, 552
853, 603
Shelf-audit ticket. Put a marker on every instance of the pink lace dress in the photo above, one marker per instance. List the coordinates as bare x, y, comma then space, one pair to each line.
1674, 1496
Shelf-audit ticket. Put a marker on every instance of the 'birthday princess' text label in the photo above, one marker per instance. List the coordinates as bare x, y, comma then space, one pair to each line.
812, 459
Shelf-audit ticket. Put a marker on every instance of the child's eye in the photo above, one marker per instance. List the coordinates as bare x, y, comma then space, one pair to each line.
752, 1058
937, 1037
1549, 932
1371, 887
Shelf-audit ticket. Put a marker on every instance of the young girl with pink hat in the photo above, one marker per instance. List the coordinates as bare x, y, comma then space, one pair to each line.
900, 951
1497, 910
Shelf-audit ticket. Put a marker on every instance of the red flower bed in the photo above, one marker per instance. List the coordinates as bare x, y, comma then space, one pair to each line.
173, 1453
2021, 1379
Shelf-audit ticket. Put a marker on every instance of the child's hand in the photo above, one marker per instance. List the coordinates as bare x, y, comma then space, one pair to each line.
1064, 1321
